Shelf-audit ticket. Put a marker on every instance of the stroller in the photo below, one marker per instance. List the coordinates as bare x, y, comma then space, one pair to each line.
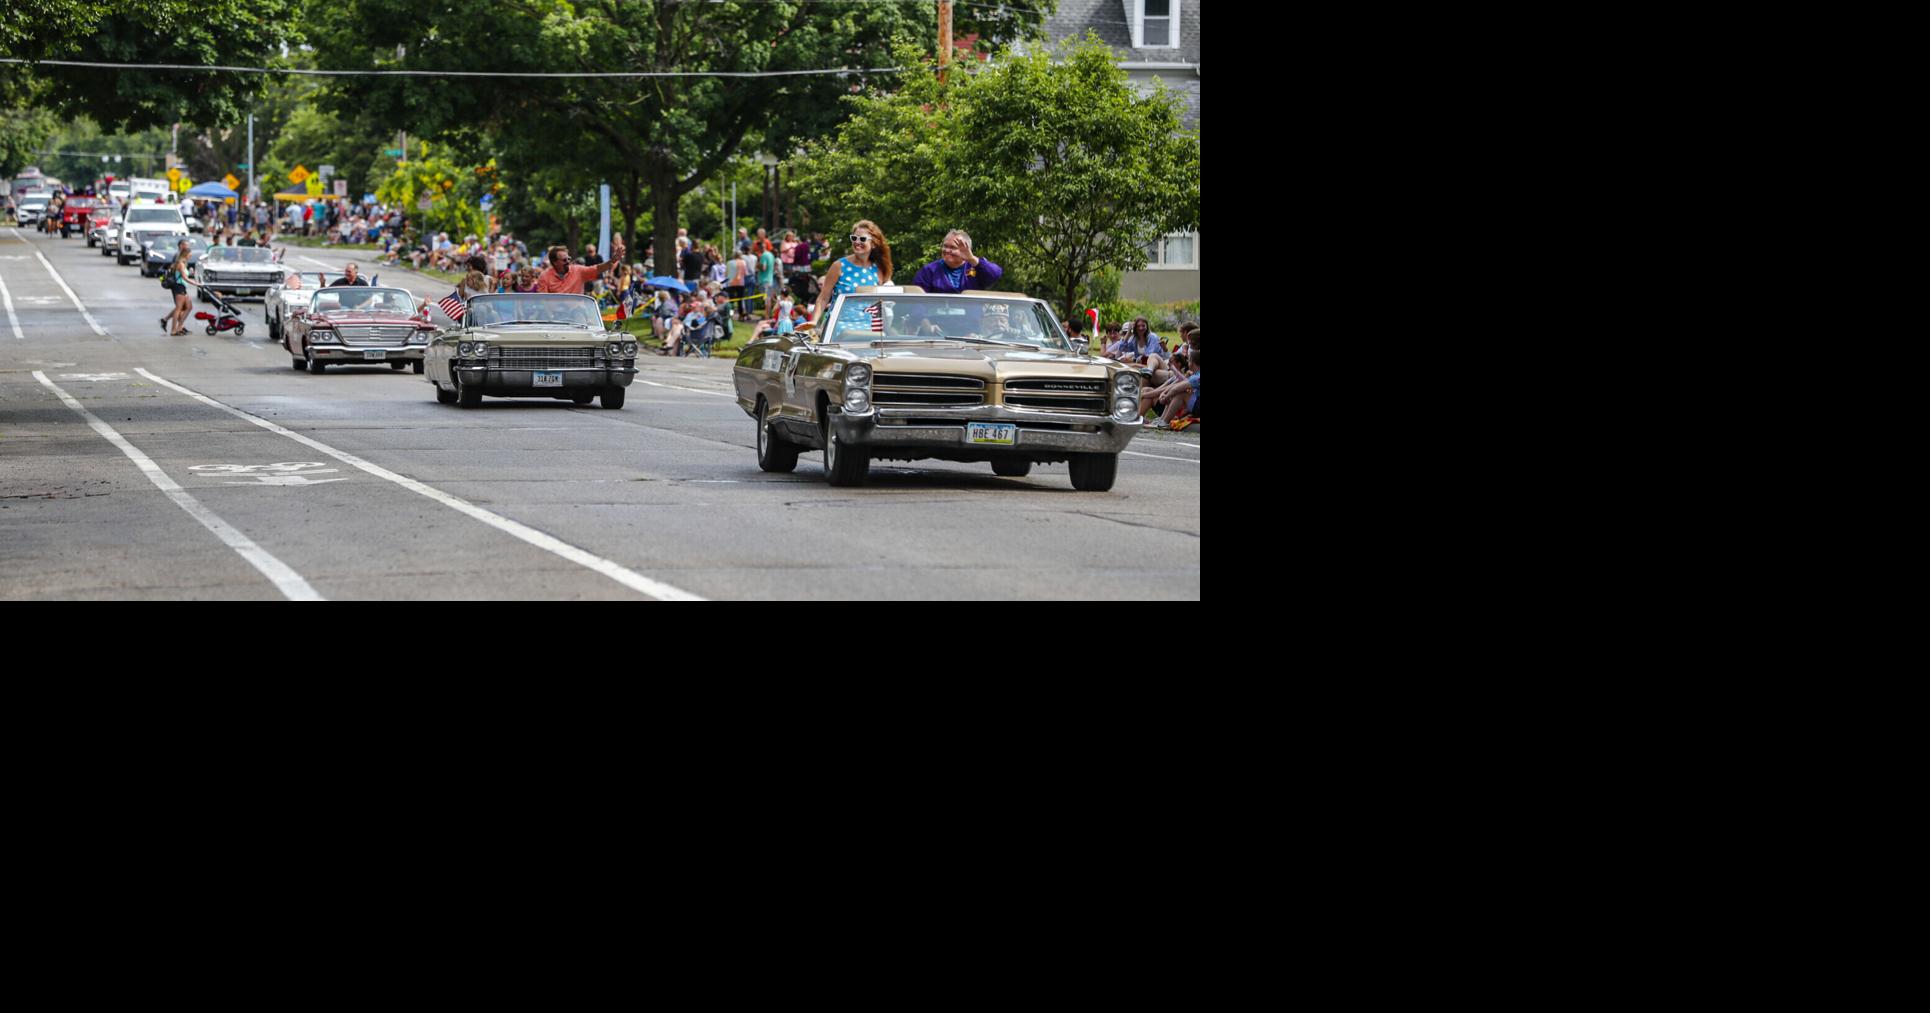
229, 320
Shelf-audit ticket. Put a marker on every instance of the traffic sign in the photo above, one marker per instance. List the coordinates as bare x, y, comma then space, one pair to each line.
314, 186
392, 152
173, 174
230, 181
241, 165
298, 175
341, 188
325, 171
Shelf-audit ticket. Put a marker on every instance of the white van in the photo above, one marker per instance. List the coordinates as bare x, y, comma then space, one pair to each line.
144, 223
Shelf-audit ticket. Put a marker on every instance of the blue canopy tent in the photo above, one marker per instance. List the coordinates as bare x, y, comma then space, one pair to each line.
211, 191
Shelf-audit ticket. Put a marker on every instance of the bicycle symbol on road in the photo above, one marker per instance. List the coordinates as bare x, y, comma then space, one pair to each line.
281, 473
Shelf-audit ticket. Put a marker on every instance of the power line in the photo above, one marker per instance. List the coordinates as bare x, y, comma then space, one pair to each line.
456, 73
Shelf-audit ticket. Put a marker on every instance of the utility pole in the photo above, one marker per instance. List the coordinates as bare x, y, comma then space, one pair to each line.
251, 156
944, 38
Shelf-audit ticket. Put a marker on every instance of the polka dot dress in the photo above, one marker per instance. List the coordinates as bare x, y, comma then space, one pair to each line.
852, 277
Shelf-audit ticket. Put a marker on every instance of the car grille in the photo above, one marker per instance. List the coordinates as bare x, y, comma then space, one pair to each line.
1085, 396
926, 390
542, 358
374, 335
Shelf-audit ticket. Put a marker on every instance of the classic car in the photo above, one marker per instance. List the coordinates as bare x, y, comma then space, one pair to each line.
158, 252
74, 215
530, 345
899, 374
291, 293
350, 324
234, 272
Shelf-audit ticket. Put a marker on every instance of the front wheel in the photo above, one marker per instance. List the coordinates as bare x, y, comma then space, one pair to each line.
299, 364
612, 397
1094, 472
467, 396
843, 466
240, 329
316, 366
397, 365
418, 367
444, 396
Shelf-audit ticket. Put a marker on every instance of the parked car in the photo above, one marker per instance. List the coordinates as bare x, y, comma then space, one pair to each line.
352, 324
240, 272
292, 292
898, 374
530, 345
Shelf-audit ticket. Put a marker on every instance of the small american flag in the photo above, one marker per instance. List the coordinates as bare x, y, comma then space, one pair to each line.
452, 305
877, 312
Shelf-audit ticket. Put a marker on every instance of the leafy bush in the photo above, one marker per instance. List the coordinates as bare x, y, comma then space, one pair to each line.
1164, 317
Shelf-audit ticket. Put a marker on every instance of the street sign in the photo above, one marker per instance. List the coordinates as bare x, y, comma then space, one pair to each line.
298, 175
341, 188
326, 171
241, 165
173, 174
487, 200
230, 181
314, 186
392, 152
182, 183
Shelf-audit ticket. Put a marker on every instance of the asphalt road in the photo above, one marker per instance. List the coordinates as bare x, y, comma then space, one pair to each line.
139, 466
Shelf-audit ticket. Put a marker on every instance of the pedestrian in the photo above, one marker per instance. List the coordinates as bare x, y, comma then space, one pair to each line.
736, 273
766, 271
175, 280
870, 260
958, 269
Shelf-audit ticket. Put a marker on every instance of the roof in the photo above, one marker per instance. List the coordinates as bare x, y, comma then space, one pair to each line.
1111, 21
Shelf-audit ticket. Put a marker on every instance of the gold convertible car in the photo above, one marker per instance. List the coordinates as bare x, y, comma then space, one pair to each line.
899, 374
531, 345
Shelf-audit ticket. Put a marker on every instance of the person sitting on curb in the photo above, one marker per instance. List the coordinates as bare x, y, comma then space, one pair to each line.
1181, 397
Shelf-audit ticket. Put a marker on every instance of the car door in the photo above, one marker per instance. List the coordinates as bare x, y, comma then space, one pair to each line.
296, 327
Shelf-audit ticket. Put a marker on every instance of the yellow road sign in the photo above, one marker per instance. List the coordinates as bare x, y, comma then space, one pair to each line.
314, 186
173, 174
230, 181
298, 175
182, 184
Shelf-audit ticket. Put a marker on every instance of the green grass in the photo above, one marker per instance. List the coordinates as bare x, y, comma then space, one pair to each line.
318, 243
640, 326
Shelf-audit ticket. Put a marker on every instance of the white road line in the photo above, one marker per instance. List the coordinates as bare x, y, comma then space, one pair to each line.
14, 320
1162, 457
285, 579
327, 267
62, 282
548, 543
693, 390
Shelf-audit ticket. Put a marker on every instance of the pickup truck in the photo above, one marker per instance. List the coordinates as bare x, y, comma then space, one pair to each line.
74, 215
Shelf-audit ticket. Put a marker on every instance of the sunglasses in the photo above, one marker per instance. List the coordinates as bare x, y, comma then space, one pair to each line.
860, 239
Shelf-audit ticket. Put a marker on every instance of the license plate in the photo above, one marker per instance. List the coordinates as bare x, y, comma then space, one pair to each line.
992, 432
548, 379
375, 354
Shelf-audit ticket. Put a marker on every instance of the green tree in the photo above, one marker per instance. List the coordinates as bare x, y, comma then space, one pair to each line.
1058, 169
653, 139
453, 192
201, 32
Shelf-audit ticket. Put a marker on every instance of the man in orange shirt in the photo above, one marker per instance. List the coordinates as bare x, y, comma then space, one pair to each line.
561, 277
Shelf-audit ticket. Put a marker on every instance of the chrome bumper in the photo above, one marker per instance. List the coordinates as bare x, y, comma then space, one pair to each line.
887, 429
490, 381
353, 353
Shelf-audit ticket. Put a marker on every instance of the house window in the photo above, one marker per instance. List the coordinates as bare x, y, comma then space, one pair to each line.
1177, 252
1158, 24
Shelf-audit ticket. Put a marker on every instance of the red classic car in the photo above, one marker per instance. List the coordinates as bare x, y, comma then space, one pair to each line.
347, 324
98, 220
73, 217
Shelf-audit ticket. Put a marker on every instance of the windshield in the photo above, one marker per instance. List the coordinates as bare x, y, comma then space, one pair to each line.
140, 215
242, 254
354, 299
568, 310
1018, 320
33, 202
166, 240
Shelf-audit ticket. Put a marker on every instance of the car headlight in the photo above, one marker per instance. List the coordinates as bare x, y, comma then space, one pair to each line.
856, 399
323, 337
859, 375
1126, 408
465, 349
629, 349
481, 349
419, 338
1126, 384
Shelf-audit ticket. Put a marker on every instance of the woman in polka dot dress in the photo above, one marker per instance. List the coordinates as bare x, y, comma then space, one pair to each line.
869, 264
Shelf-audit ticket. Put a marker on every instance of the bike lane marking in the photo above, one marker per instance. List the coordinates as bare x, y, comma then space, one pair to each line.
286, 580
515, 529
